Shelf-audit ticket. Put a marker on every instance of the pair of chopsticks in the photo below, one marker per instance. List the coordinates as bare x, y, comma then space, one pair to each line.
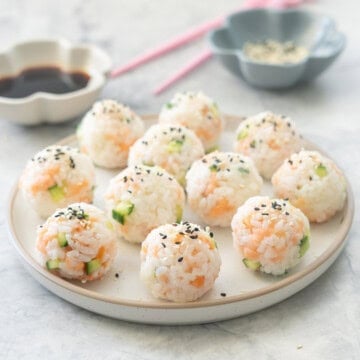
189, 36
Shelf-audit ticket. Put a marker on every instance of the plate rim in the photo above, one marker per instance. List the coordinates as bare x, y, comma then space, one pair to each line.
146, 304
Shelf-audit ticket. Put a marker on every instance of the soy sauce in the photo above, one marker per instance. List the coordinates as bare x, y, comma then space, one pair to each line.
50, 79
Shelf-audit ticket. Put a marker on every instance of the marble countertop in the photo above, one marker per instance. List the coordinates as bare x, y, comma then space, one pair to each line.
320, 322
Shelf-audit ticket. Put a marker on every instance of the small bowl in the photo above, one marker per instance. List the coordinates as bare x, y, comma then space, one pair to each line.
317, 33
44, 107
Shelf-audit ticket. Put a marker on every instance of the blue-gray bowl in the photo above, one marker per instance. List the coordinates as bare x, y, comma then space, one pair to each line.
316, 32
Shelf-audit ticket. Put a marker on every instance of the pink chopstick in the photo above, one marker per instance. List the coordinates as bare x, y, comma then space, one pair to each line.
170, 45
207, 54
193, 64
180, 40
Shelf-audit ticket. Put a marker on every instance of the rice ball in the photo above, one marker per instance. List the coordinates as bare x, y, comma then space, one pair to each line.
56, 177
219, 183
271, 235
77, 242
179, 262
172, 147
268, 139
107, 131
142, 198
313, 183
197, 112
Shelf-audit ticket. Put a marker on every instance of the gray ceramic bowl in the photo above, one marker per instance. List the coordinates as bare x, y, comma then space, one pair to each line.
317, 33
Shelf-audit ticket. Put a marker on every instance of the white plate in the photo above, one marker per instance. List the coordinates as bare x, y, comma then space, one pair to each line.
126, 298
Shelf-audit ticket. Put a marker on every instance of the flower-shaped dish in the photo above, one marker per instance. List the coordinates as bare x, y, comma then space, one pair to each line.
45, 107
317, 33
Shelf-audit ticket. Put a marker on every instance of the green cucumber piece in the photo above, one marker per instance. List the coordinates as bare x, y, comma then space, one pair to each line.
174, 146
251, 264
148, 163
212, 149
53, 264
244, 170
182, 181
321, 171
61, 237
242, 134
109, 225
56, 193
92, 266
214, 168
304, 245
122, 210
179, 213
214, 109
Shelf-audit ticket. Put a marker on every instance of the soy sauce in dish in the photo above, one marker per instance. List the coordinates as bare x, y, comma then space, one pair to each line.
50, 79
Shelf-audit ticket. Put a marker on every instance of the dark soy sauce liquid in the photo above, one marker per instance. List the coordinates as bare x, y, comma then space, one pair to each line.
50, 79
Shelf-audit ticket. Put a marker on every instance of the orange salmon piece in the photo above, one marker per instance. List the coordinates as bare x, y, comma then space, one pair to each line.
198, 282
222, 206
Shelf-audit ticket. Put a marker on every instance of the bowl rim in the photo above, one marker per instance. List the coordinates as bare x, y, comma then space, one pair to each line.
282, 12
97, 76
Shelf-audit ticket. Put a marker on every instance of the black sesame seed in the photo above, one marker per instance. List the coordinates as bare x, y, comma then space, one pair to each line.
180, 259
116, 275
223, 294
163, 245
211, 234
265, 214
256, 208
72, 163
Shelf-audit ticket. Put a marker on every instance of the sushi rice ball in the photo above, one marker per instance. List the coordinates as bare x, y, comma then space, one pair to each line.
219, 183
197, 112
271, 235
107, 131
77, 242
141, 198
172, 147
313, 183
268, 139
56, 177
179, 262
